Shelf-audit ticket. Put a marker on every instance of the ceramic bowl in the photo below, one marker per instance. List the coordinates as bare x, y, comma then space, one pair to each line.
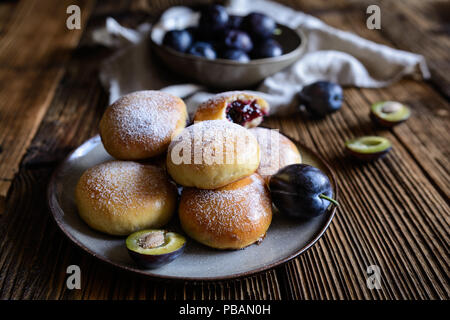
229, 74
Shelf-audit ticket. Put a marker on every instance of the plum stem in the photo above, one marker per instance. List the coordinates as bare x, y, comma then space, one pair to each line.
329, 199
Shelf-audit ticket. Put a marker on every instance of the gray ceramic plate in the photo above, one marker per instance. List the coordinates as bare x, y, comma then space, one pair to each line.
285, 239
228, 74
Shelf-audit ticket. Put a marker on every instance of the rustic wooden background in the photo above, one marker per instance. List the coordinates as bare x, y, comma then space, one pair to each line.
394, 212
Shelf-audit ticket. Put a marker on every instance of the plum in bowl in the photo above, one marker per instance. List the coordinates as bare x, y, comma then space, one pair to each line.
229, 68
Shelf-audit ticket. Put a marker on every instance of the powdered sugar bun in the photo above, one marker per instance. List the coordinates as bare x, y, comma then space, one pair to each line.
287, 151
231, 217
120, 197
215, 108
141, 124
211, 154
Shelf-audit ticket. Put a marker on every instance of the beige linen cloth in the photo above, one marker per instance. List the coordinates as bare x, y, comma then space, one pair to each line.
331, 54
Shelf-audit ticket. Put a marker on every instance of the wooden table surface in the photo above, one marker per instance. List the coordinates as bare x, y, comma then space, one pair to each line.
394, 212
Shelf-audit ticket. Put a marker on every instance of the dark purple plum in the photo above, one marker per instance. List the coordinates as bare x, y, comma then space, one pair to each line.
199, 34
321, 98
213, 18
234, 22
203, 49
179, 40
259, 25
268, 48
236, 39
236, 55
301, 191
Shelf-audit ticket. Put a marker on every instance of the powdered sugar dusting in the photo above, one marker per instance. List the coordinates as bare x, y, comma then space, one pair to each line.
219, 98
272, 159
231, 143
226, 209
124, 185
144, 117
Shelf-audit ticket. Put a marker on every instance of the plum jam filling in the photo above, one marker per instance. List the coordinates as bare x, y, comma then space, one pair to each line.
241, 112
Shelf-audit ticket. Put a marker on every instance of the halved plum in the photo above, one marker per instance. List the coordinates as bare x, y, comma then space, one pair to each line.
389, 113
154, 248
368, 148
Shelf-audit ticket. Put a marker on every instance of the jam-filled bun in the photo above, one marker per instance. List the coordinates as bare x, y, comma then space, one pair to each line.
121, 197
277, 151
211, 154
245, 109
231, 217
141, 125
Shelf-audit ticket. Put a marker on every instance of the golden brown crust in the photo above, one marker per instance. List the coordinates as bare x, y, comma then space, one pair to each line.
215, 107
120, 197
211, 154
231, 217
287, 151
141, 125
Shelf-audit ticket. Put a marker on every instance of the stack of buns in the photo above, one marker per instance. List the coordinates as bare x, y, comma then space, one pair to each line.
222, 168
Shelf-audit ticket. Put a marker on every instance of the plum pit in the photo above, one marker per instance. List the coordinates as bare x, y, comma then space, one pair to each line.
151, 240
154, 248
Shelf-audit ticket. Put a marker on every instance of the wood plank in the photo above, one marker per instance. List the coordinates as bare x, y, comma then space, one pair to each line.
431, 110
424, 19
368, 223
384, 219
6, 11
31, 66
424, 135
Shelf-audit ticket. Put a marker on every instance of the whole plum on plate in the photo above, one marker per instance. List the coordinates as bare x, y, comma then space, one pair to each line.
301, 191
